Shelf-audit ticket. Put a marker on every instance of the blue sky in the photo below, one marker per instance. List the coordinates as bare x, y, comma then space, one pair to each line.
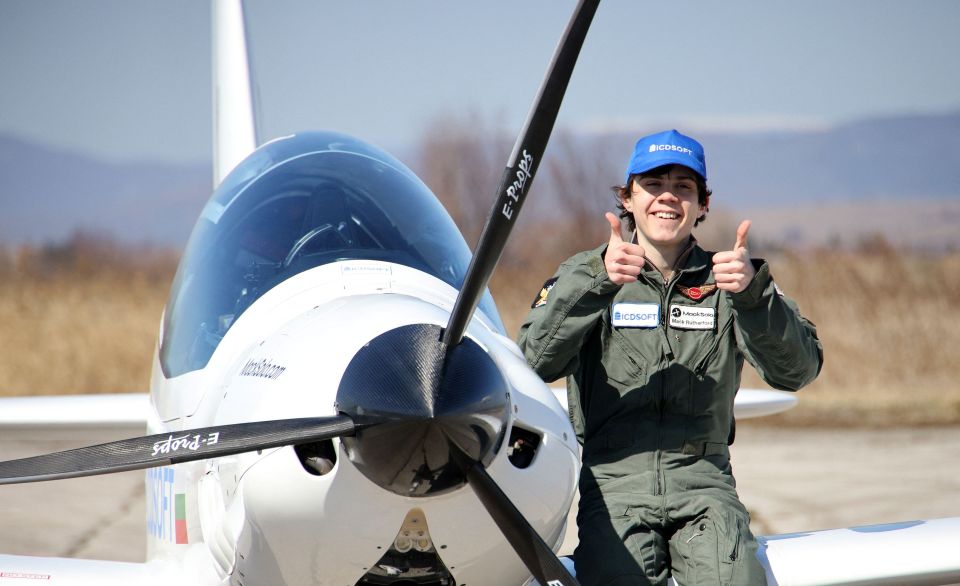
130, 79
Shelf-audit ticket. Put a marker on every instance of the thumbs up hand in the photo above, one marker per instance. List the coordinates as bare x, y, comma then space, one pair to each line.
623, 260
732, 268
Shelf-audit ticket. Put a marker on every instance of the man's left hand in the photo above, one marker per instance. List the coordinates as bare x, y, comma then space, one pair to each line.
732, 268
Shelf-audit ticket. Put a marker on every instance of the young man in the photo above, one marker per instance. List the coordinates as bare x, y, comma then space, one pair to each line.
652, 334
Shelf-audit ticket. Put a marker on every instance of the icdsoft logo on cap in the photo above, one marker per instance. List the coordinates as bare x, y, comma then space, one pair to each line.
670, 147
667, 148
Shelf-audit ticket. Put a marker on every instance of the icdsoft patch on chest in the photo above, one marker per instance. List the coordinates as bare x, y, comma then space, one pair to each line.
635, 315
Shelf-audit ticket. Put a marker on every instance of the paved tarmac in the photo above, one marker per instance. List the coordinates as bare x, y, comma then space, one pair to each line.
790, 479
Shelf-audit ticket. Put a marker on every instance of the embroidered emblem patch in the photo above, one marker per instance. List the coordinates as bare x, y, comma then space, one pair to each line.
635, 315
697, 293
541, 299
685, 317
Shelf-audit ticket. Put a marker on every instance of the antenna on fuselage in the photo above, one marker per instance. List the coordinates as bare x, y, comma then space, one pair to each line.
234, 116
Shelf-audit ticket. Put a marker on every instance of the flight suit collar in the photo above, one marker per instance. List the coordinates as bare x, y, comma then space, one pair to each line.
693, 259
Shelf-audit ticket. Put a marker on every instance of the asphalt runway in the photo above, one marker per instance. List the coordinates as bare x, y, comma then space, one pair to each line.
790, 479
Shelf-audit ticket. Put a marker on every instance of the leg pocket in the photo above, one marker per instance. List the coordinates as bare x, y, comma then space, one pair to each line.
694, 553
728, 548
716, 549
740, 566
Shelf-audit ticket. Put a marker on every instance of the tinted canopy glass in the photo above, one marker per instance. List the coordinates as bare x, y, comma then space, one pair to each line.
297, 203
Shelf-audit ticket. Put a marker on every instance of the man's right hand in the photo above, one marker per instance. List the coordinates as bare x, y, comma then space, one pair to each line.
623, 260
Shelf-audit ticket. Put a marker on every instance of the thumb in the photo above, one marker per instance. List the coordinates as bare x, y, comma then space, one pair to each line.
742, 235
615, 233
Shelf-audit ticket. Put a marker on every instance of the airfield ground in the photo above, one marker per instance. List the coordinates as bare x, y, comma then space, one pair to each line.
793, 479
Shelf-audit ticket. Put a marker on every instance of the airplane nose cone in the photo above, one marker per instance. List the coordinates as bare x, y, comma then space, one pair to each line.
422, 407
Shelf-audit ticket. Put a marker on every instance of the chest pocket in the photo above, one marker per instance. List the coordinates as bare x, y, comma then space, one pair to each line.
630, 346
627, 359
708, 369
695, 327
698, 332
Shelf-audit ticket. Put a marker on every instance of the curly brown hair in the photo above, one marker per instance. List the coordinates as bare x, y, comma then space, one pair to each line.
622, 192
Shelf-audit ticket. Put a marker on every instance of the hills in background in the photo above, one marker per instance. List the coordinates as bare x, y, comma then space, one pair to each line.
873, 159
897, 176
47, 194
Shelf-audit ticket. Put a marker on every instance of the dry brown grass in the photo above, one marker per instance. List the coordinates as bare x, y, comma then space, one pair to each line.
887, 323
890, 334
83, 319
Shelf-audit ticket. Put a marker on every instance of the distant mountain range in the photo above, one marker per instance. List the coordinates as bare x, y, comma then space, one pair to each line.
47, 194
872, 159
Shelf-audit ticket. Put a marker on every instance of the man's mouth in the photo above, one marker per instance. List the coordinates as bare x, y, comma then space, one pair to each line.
666, 215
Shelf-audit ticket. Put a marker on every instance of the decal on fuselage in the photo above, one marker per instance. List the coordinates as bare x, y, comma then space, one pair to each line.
166, 509
262, 368
25, 576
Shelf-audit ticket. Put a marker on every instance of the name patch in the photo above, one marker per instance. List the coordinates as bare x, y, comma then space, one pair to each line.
636, 315
685, 317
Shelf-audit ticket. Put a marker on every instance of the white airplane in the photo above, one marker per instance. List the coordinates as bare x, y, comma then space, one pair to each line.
334, 399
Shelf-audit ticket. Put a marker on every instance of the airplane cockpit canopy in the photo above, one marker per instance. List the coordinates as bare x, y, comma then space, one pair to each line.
297, 203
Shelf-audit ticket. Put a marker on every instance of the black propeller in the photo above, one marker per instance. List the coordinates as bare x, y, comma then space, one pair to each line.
511, 194
418, 391
521, 168
173, 448
539, 558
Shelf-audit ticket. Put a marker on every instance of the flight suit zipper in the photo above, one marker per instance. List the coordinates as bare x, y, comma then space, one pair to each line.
665, 290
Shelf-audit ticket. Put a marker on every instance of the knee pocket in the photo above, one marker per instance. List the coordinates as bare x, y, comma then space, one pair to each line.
711, 548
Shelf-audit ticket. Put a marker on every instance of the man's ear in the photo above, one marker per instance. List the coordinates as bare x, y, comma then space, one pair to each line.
704, 209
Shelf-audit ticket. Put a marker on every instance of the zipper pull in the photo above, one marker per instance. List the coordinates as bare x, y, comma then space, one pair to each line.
700, 530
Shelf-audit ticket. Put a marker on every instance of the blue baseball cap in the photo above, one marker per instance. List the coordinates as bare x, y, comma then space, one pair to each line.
667, 148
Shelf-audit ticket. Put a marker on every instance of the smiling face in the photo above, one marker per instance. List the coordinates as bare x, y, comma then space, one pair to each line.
665, 206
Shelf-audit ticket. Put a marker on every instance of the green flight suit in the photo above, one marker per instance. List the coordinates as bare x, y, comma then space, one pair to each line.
651, 401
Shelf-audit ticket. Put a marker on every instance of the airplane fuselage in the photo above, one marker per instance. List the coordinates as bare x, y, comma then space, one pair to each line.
311, 514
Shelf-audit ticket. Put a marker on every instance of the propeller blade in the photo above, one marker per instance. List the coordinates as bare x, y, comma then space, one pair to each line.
173, 448
542, 562
521, 167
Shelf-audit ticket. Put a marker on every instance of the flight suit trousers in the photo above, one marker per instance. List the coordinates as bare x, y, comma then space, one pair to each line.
696, 529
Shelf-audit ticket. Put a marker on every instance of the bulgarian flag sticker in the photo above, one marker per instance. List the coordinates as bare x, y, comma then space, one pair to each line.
181, 520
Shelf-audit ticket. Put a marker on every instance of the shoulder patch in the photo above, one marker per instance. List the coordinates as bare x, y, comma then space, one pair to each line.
541, 299
697, 293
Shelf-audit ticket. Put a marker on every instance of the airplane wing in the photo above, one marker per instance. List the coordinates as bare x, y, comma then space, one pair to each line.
77, 416
914, 552
911, 553
749, 402
759, 402
18, 569
118, 412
